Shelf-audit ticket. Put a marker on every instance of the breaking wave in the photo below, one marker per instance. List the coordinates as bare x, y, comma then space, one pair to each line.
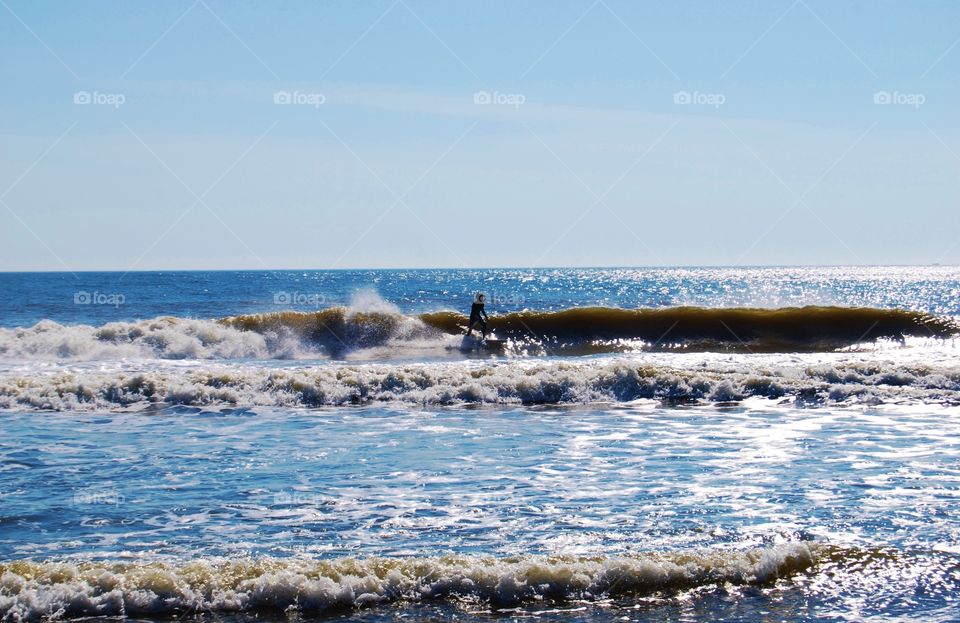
35, 590
793, 329
340, 331
715, 379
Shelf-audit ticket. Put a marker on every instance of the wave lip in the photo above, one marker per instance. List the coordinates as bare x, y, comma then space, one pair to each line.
35, 590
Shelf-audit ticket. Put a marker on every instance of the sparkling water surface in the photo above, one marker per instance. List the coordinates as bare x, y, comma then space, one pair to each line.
186, 484
31, 297
877, 485
405, 482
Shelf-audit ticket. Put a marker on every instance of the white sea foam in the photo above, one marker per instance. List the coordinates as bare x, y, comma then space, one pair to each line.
35, 590
166, 338
839, 378
359, 334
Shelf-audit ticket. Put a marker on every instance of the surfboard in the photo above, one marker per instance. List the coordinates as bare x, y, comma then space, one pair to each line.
472, 343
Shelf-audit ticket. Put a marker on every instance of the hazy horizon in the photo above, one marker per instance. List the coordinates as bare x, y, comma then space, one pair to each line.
481, 268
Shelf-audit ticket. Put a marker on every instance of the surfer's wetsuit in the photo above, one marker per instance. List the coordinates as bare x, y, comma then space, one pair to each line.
475, 312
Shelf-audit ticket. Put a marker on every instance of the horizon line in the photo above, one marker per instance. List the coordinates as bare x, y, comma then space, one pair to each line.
505, 267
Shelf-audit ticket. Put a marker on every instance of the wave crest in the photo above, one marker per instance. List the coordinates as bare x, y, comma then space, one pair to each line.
340, 331
790, 329
34, 590
505, 382
336, 330
165, 338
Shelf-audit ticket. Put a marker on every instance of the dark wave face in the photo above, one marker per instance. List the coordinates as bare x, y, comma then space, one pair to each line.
698, 328
599, 329
337, 329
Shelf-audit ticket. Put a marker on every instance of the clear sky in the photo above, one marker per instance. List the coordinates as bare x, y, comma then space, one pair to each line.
403, 133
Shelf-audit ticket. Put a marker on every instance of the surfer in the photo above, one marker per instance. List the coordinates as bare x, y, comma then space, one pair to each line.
476, 311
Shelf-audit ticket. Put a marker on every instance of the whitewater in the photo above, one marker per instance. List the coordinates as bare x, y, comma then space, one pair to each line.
649, 444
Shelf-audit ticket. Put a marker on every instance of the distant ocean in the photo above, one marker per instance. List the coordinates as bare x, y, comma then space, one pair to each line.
647, 444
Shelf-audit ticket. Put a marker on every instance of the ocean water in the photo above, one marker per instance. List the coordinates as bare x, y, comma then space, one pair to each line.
651, 444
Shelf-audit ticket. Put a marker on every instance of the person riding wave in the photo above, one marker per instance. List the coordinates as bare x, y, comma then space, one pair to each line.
476, 311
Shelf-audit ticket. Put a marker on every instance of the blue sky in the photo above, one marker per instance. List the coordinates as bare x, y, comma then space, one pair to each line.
399, 133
